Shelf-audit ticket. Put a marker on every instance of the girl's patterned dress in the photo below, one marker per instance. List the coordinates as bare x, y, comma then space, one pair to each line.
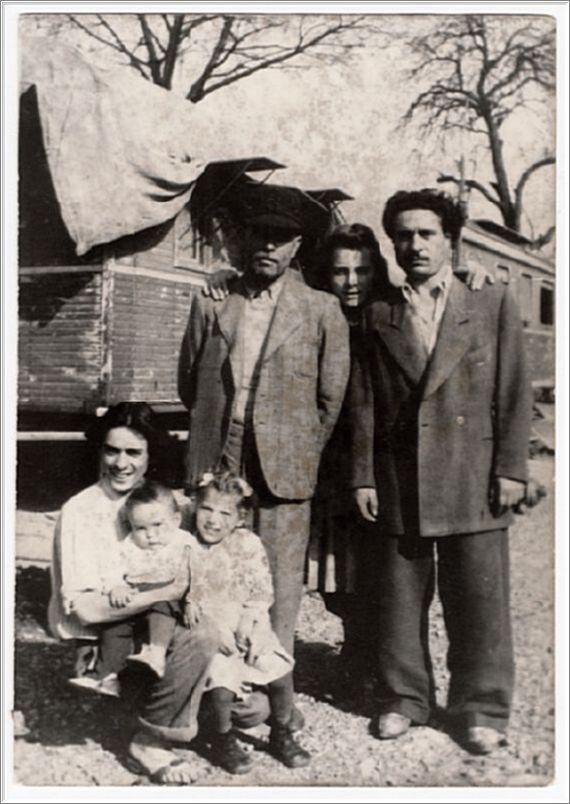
231, 582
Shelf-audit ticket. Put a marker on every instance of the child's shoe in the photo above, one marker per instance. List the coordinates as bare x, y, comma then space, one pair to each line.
102, 686
284, 747
229, 755
152, 657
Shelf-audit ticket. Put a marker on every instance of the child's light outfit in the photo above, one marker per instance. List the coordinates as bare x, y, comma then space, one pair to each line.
151, 566
144, 568
231, 580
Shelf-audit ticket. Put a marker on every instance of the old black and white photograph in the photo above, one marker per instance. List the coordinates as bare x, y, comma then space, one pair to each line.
283, 293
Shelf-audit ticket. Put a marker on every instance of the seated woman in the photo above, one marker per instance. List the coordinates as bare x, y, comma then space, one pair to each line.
88, 539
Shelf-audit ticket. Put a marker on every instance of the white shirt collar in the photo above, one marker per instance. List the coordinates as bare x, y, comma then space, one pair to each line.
439, 282
271, 292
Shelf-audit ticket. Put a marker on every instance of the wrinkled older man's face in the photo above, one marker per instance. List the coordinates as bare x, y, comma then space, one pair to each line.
269, 252
422, 249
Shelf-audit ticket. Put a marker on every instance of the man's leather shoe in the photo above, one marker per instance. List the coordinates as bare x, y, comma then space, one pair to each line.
392, 725
284, 747
484, 739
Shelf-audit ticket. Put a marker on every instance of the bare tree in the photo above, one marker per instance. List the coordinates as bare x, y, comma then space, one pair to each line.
231, 47
477, 70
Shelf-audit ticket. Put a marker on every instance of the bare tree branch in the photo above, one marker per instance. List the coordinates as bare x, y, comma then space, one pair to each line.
541, 241
197, 89
154, 60
471, 184
237, 46
547, 160
171, 53
474, 72
115, 44
250, 54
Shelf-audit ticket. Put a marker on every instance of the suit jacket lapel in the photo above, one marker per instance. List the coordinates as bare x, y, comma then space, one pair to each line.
401, 339
287, 317
453, 339
229, 313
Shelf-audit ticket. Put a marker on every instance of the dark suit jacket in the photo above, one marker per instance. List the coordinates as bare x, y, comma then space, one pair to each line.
301, 387
431, 439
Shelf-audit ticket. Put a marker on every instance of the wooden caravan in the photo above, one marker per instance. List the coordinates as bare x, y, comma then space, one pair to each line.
107, 326
531, 278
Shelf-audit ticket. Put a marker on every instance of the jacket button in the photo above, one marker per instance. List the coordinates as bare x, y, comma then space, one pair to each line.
460, 420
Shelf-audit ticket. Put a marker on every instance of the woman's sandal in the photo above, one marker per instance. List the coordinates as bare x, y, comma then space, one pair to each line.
159, 776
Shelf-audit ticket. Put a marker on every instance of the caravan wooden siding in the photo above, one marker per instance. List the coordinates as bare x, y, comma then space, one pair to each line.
95, 334
60, 339
147, 322
532, 282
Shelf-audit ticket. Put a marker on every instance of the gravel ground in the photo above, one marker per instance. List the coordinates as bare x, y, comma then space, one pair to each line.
69, 738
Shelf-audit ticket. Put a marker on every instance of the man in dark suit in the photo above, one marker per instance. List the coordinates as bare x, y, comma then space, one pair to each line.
440, 420
263, 374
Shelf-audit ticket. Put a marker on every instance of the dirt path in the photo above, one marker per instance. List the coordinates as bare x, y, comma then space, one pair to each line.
76, 740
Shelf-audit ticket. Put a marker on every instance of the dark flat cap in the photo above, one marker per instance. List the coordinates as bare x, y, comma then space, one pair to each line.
271, 206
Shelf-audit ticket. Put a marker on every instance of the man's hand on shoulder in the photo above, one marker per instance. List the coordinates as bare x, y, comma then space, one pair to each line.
475, 275
217, 284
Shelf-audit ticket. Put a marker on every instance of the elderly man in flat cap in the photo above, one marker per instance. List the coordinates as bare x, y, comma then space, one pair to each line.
263, 374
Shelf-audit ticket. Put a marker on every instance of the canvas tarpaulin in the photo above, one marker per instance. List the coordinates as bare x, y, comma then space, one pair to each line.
119, 148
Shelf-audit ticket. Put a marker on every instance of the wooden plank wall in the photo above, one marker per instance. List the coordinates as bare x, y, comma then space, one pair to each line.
150, 305
539, 337
148, 319
60, 341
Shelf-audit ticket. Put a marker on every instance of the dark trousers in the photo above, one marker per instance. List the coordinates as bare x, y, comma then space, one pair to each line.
357, 609
118, 640
168, 707
473, 584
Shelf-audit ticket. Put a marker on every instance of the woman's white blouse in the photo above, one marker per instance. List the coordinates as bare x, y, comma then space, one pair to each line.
86, 554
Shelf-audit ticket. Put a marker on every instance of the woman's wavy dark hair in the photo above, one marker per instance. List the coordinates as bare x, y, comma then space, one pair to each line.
141, 418
356, 237
450, 212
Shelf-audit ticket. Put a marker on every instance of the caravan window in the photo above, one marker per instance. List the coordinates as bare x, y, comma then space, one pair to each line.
547, 304
525, 298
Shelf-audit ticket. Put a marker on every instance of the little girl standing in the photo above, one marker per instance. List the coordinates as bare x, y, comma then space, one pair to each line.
232, 585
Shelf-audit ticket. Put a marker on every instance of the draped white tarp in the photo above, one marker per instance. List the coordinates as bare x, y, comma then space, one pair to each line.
119, 148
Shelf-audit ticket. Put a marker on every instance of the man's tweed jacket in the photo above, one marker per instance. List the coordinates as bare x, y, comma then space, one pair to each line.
301, 388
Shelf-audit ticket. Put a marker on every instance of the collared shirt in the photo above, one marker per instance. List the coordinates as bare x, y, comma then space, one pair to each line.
427, 304
252, 336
